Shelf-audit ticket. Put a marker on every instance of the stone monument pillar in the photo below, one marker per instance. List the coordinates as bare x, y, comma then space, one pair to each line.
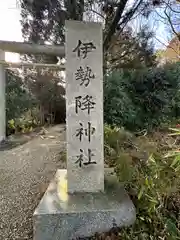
2, 99
84, 107
79, 202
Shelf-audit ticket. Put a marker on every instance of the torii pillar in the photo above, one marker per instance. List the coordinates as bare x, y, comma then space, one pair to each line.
2, 99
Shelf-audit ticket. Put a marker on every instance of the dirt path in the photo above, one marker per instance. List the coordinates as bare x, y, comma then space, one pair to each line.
25, 172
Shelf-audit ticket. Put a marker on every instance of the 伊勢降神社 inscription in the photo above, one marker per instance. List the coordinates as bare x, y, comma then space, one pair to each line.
84, 107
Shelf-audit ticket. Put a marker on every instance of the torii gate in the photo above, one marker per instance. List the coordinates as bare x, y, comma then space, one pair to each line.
22, 48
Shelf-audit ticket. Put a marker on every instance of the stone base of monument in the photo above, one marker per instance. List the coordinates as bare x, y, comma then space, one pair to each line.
63, 216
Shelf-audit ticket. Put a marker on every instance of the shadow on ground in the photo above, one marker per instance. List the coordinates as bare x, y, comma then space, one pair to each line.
9, 144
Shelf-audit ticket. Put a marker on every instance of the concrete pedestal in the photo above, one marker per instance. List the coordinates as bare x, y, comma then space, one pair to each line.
63, 216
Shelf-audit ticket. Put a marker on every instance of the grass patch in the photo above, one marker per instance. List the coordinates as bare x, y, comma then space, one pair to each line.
149, 167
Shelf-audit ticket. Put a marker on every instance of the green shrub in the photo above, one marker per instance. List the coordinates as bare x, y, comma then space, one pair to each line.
115, 140
25, 123
118, 106
142, 98
19, 105
31, 103
18, 100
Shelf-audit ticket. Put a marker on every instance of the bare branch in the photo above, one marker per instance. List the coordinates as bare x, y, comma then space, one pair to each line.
99, 14
159, 15
170, 7
171, 24
167, 46
130, 13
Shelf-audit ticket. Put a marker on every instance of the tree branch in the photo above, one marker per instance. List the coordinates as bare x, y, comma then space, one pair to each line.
130, 13
166, 45
171, 24
99, 14
170, 7
112, 28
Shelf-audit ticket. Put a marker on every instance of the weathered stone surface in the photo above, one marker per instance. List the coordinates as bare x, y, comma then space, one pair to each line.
63, 216
2, 99
87, 178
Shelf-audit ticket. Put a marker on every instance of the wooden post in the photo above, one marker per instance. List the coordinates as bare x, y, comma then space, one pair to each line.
2, 99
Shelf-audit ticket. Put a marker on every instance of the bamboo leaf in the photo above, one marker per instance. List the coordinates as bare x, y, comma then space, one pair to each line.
174, 129
140, 193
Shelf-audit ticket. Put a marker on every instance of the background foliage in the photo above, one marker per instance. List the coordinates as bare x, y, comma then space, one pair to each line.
143, 98
17, 97
19, 102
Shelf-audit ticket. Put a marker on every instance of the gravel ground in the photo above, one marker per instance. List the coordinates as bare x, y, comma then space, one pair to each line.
25, 172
